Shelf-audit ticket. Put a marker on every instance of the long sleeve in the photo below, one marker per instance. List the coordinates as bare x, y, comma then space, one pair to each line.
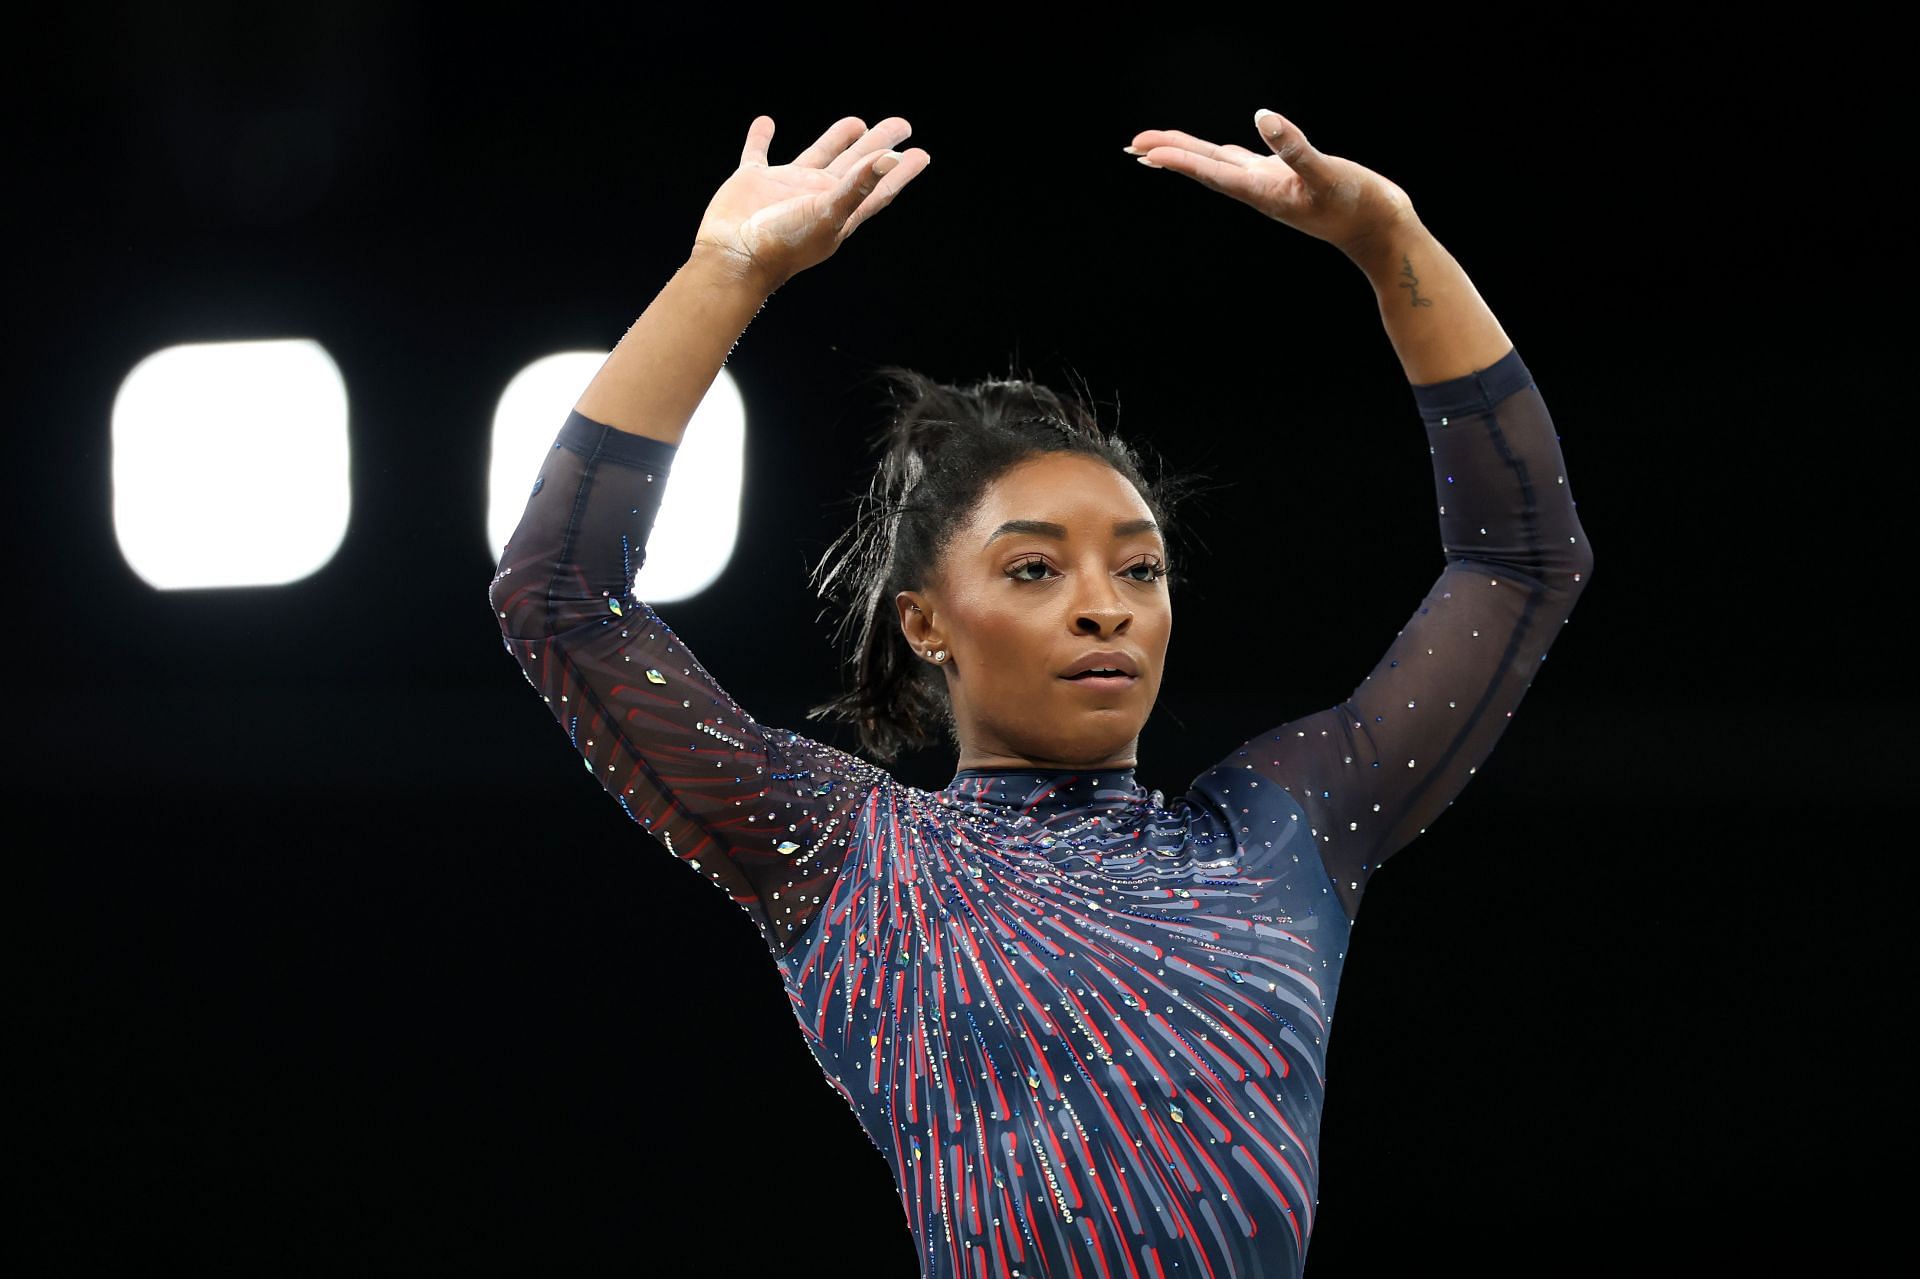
1372, 772
763, 812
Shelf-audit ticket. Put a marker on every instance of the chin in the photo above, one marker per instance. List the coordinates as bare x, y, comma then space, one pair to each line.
1093, 748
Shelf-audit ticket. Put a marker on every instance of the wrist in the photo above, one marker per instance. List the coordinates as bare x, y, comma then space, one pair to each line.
1378, 253
729, 271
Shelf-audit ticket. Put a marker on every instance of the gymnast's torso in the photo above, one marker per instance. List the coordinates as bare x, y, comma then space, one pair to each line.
1080, 1022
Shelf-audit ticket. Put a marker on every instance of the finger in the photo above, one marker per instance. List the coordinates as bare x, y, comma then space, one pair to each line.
881, 194
1147, 139
759, 135
887, 135
1225, 152
831, 143
1228, 153
855, 186
1230, 176
1291, 145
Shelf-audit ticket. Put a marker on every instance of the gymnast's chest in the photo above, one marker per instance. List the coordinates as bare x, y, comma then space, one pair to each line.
1108, 942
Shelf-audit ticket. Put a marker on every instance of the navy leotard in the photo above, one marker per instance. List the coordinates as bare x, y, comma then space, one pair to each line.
1086, 1026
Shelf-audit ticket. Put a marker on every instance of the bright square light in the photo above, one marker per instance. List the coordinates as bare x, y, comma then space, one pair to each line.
699, 521
230, 464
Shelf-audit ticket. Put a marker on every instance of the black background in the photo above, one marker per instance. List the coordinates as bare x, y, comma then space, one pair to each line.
333, 962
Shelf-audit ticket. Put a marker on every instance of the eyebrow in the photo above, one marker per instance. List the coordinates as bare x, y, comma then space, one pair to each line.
1121, 528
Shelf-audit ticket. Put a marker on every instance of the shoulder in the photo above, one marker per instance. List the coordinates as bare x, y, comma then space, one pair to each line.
1232, 791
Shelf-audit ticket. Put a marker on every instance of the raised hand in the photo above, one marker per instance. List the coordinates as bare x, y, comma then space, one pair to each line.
1325, 196
771, 222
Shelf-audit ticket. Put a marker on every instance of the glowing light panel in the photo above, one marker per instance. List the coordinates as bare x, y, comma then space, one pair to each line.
230, 464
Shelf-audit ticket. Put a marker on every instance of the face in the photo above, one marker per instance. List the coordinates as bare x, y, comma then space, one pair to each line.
1060, 560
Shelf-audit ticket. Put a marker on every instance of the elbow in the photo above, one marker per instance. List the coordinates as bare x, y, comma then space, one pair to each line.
1566, 557
1572, 572
517, 600
1572, 580
534, 591
503, 614
1582, 557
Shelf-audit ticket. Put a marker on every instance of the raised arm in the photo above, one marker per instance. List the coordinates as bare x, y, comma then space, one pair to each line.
763, 226
1374, 770
764, 812
1377, 769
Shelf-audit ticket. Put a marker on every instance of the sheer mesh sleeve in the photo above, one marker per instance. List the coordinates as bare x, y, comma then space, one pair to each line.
763, 812
1373, 771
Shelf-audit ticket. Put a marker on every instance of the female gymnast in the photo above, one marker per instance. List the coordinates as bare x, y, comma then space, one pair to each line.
1085, 1026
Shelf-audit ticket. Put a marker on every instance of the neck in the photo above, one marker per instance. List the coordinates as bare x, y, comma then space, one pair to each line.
1119, 759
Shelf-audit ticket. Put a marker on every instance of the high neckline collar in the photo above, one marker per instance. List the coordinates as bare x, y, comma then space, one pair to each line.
1044, 793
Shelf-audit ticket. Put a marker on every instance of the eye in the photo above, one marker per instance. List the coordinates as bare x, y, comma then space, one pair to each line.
1155, 571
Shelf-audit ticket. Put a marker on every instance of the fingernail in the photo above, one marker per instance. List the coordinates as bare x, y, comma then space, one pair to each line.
1132, 151
1150, 164
1257, 123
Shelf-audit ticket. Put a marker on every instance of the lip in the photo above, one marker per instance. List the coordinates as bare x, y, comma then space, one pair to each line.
1110, 658
1103, 683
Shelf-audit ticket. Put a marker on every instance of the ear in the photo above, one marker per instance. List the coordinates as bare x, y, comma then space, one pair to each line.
916, 619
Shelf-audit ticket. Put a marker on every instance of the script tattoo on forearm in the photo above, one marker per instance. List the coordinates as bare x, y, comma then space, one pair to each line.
1412, 282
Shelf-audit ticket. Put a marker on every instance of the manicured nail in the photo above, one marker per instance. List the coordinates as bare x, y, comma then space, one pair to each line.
1150, 164
1257, 123
1131, 151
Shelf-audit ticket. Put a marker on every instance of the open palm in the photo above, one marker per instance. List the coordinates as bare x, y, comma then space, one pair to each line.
1325, 196
777, 220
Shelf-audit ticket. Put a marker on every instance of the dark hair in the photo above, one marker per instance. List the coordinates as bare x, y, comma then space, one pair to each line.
942, 448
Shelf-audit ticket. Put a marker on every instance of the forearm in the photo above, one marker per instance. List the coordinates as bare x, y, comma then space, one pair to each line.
661, 370
1437, 322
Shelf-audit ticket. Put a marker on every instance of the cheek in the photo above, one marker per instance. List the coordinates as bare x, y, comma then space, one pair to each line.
1006, 643
1007, 646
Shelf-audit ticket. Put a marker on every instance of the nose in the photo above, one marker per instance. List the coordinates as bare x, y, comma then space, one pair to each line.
1103, 613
